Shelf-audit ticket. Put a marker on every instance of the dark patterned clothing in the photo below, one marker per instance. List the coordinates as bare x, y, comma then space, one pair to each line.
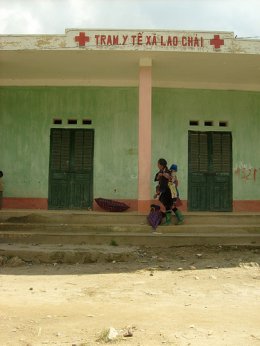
165, 192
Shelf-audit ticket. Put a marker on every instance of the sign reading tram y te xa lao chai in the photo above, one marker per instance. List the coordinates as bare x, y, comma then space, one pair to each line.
149, 40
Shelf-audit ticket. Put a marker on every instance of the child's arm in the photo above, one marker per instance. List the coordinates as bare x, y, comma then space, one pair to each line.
165, 175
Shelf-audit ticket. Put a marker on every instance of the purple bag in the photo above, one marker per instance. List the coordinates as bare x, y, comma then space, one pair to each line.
155, 216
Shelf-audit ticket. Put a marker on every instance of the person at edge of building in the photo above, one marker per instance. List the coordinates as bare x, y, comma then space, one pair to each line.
173, 185
165, 197
1, 188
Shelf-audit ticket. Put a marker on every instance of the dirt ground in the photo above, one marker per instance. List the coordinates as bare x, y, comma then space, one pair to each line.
177, 296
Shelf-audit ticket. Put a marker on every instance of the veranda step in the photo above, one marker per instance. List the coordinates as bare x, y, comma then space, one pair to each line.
65, 217
127, 228
122, 238
67, 227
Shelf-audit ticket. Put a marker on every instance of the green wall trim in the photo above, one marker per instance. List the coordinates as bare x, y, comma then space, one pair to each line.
27, 113
173, 109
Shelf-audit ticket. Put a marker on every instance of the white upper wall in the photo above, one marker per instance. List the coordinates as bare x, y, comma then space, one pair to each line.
134, 40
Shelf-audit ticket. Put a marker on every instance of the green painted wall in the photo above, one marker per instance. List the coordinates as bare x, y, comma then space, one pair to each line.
27, 113
26, 116
174, 108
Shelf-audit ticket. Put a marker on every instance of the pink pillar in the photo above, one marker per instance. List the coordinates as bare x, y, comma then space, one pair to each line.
145, 130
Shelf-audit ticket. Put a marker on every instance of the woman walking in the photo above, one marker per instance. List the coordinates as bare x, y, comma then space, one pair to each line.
165, 197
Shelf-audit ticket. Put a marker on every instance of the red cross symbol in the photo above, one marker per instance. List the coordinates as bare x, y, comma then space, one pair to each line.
216, 41
82, 39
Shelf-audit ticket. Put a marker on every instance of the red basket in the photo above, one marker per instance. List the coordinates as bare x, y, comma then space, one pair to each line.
111, 205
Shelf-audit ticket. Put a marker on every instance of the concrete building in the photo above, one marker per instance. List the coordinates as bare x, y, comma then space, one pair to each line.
87, 114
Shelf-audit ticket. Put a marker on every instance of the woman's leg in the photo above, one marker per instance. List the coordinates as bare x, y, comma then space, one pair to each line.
179, 215
166, 200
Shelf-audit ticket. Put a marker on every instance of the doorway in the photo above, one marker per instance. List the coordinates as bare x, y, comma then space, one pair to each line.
210, 171
71, 169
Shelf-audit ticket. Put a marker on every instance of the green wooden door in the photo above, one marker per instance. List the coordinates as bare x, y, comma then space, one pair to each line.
71, 169
210, 171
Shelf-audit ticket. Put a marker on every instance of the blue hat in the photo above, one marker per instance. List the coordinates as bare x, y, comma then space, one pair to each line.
174, 168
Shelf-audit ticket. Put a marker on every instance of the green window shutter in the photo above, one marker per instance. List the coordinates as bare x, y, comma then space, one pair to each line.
71, 168
60, 150
210, 171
